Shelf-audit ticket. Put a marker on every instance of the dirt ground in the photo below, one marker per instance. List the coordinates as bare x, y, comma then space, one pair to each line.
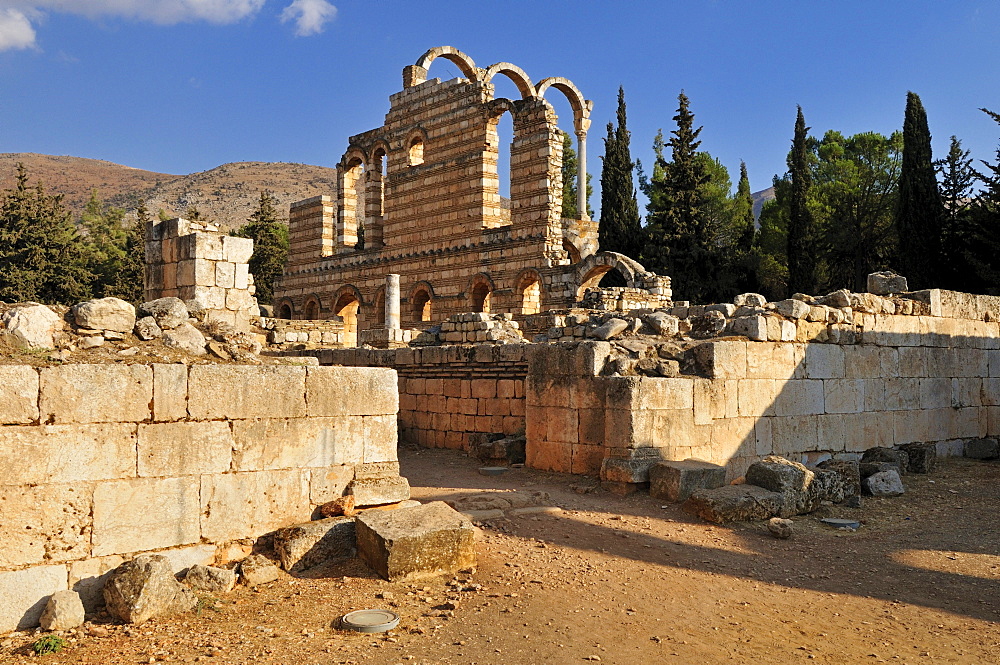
625, 580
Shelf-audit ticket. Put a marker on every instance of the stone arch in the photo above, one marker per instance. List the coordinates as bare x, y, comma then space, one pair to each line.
285, 309
311, 308
415, 146
529, 289
581, 107
350, 174
421, 302
378, 155
480, 289
515, 74
593, 268
347, 305
378, 308
574, 252
452, 54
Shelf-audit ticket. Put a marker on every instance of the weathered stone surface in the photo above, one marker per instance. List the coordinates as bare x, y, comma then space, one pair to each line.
379, 491
886, 282
87, 578
258, 569
883, 483
849, 473
146, 329
95, 393
63, 611
340, 507
837, 299
303, 546
44, 524
18, 394
779, 475
981, 448
184, 448
734, 503
675, 481
167, 312
32, 325
893, 456
239, 391
210, 579
91, 342
709, 324
66, 453
793, 309
183, 558
627, 470
780, 528
610, 329
272, 443
105, 314
245, 505
143, 588
750, 300
920, 457
145, 513
186, 338
24, 593
866, 469
662, 323
170, 392
330, 483
351, 391
412, 543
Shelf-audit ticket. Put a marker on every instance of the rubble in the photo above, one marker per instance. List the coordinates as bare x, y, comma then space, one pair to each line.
64, 610
145, 587
303, 546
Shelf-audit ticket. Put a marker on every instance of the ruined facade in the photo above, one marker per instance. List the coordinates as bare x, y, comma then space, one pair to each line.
425, 189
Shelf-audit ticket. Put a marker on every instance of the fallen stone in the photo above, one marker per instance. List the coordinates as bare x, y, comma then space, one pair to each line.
792, 308
113, 335
866, 469
210, 579
257, 569
167, 312
709, 324
186, 338
342, 506
883, 483
536, 510
790, 479
894, 456
662, 323
91, 342
886, 282
675, 481
920, 457
145, 587
303, 546
981, 449
734, 503
611, 328
629, 471
826, 485
849, 473
509, 450
750, 300
32, 325
105, 314
412, 543
218, 350
63, 611
837, 299
780, 528
378, 491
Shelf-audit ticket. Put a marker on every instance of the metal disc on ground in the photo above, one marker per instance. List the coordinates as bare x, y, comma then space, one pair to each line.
838, 523
370, 621
492, 470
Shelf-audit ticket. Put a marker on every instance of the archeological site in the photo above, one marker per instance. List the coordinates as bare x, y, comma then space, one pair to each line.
460, 412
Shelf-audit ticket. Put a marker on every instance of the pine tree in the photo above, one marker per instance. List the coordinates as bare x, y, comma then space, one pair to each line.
920, 212
984, 241
620, 230
957, 179
270, 246
570, 171
744, 233
129, 280
104, 238
802, 249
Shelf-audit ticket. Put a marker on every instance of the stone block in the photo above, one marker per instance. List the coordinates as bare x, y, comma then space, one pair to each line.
413, 543
87, 579
145, 587
303, 546
236, 250
274, 443
883, 483
258, 569
844, 395
351, 391
675, 481
634, 471
800, 397
981, 448
379, 491
330, 483
186, 338
170, 392
66, 453
32, 326
380, 439
920, 457
723, 359
63, 611
105, 314
246, 505
886, 282
145, 514
95, 393
18, 394
182, 558
184, 448
825, 361
237, 392
44, 523
210, 579
849, 472
896, 457
734, 503
24, 593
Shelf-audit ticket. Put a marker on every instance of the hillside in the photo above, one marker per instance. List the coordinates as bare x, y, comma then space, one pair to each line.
760, 198
226, 194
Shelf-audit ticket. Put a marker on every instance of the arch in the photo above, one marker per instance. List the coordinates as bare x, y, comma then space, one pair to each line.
346, 305
351, 206
529, 287
515, 74
285, 309
592, 270
574, 252
421, 299
377, 155
378, 308
581, 107
480, 290
452, 54
311, 308
415, 151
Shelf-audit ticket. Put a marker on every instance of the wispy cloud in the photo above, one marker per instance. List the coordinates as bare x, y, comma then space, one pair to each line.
310, 16
16, 31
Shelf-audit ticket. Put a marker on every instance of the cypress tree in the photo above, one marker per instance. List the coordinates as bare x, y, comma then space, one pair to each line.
743, 218
801, 235
620, 230
920, 211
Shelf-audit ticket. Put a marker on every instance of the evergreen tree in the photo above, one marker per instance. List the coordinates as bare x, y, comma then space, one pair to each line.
194, 215
270, 246
570, 170
802, 250
128, 282
957, 180
104, 238
984, 243
620, 229
744, 232
920, 212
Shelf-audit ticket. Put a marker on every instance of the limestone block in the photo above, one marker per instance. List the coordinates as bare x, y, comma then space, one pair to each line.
182, 558
330, 483
795, 434
210, 246
237, 250
187, 338
63, 611
753, 327
883, 483
750, 300
66, 453
18, 394
675, 481
87, 578
225, 274
756, 397
981, 448
143, 588
849, 473
241, 278
935, 393
844, 395
379, 491
168, 312
32, 325
170, 391
800, 397
734, 503
289, 443
105, 314
145, 514
24, 593
920, 457
358, 391
897, 457
146, 329
184, 448
793, 309
722, 359
210, 579
380, 439
44, 523
825, 361
236, 392
886, 282
303, 546
95, 393
258, 569
412, 543
208, 297
245, 505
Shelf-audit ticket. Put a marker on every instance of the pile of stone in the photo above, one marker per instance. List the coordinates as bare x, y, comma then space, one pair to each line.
473, 328
498, 449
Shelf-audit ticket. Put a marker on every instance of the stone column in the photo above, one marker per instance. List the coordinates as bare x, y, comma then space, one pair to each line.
392, 302
581, 175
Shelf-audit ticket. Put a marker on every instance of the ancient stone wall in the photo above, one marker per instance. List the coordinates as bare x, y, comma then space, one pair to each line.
100, 462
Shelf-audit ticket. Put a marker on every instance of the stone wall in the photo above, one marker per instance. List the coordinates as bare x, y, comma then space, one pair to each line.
100, 462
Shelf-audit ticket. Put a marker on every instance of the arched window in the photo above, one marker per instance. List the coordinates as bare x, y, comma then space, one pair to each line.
347, 309
612, 278
530, 288
481, 290
574, 253
311, 311
420, 305
416, 151
285, 311
378, 309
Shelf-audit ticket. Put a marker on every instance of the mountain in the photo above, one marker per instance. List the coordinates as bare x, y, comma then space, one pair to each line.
227, 194
760, 198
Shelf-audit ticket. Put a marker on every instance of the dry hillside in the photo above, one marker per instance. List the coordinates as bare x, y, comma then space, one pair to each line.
226, 194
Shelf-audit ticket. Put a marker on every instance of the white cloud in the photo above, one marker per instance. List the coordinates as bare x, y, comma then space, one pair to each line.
310, 16
164, 12
15, 30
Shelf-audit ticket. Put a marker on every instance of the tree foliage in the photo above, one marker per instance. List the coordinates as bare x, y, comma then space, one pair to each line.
802, 240
270, 246
620, 227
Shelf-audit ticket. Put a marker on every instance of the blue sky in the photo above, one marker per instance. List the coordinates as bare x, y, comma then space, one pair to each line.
185, 85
